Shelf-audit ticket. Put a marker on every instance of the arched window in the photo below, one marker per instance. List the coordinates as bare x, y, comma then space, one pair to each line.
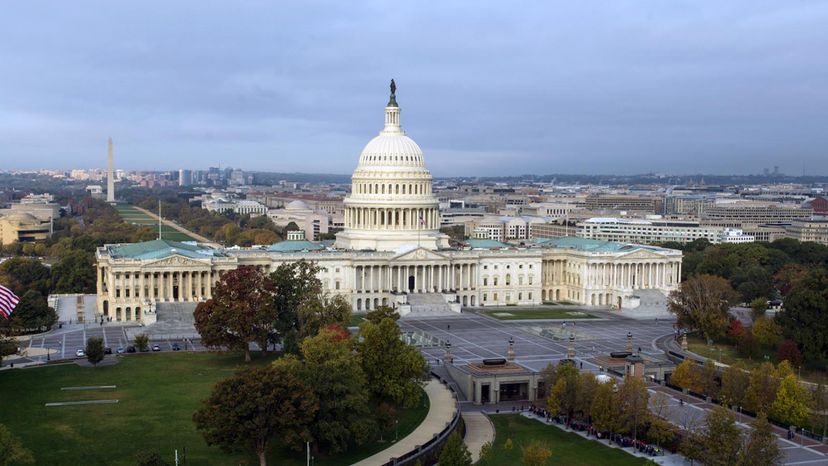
508, 279
495, 281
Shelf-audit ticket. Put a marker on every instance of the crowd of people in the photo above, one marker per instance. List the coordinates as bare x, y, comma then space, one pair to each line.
621, 440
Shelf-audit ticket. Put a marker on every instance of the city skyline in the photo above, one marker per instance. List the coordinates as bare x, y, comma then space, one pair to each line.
679, 89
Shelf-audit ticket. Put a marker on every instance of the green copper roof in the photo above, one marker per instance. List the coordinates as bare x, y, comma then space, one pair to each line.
592, 245
160, 248
296, 246
485, 244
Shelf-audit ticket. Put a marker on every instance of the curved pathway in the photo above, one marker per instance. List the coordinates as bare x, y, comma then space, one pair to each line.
479, 430
442, 407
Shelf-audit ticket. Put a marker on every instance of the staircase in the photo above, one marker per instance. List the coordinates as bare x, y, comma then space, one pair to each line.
428, 304
173, 321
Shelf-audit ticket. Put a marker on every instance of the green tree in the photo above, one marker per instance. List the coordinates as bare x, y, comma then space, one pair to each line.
12, 450
803, 318
455, 452
761, 389
761, 447
321, 311
333, 371
758, 307
382, 312
722, 439
707, 379
606, 411
587, 384
8, 347
94, 350
255, 407
702, 303
791, 402
536, 453
240, 312
633, 401
141, 341
563, 398
21, 274
74, 273
33, 312
767, 332
392, 368
293, 284
734, 380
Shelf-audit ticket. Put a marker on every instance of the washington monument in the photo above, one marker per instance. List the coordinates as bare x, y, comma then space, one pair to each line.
110, 177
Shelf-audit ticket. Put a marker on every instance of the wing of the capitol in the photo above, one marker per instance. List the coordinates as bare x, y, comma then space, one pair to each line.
391, 252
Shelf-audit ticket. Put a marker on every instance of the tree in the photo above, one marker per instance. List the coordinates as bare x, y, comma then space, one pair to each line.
707, 379
333, 371
605, 411
722, 439
392, 368
293, 284
791, 402
702, 303
536, 453
734, 380
240, 312
21, 275
74, 273
382, 312
761, 447
803, 318
94, 350
141, 341
251, 409
758, 307
8, 347
767, 332
563, 397
633, 401
761, 390
150, 458
322, 310
787, 351
486, 451
33, 312
587, 384
455, 452
736, 330
685, 376
12, 450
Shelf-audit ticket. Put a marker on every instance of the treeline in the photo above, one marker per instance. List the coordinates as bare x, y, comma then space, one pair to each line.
330, 388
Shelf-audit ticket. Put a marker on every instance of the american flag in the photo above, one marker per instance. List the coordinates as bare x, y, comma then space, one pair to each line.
8, 301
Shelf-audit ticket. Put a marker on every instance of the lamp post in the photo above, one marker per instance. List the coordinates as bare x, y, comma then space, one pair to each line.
48, 354
396, 429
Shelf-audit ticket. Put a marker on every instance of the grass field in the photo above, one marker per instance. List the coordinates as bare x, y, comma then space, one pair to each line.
356, 319
538, 313
157, 393
132, 215
567, 448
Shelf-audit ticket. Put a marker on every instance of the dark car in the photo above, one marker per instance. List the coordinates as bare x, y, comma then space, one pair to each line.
145, 349
175, 347
107, 350
130, 349
156, 348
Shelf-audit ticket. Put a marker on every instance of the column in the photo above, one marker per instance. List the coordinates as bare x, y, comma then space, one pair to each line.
170, 280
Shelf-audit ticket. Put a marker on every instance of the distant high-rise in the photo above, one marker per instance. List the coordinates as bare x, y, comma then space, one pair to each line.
110, 176
185, 177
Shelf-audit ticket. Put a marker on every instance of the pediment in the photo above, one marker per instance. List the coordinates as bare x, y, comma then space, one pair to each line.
176, 260
419, 254
642, 254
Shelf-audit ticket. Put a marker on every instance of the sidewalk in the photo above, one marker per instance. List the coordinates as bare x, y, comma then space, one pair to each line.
440, 413
479, 430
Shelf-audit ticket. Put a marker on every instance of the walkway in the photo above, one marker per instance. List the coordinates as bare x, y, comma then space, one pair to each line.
479, 430
442, 407
199, 238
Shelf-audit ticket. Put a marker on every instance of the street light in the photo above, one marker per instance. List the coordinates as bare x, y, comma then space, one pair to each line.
396, 429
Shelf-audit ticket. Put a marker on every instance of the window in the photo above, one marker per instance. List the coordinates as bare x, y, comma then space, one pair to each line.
485, 281
530, 296
495, 296
508, 279
495, 282
337, 284
531, 279
485, 297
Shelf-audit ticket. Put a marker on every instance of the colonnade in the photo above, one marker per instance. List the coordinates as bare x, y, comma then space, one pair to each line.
633, 275
428, 278
369, 218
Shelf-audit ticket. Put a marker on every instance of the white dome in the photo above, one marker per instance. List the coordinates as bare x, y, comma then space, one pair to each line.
297, 205
395, 149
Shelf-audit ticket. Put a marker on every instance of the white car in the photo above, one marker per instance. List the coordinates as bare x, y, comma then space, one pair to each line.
79, 353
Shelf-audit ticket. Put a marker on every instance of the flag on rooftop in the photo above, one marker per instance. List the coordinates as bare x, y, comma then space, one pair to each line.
8, 301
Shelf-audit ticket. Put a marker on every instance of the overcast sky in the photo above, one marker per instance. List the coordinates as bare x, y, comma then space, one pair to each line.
485, 88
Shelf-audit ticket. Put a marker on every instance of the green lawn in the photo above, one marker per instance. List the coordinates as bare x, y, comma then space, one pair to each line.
567, 448
538, 313
158, 395
356, 319
132, 215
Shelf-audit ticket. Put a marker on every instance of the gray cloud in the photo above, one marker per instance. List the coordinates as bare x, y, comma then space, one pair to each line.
486, 87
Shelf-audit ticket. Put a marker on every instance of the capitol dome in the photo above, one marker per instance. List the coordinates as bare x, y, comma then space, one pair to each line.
391, 202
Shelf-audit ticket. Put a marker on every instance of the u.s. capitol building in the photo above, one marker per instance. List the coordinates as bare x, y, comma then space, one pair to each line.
391, 252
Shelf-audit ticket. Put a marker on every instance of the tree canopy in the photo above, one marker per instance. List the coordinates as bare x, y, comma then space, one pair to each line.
702, 303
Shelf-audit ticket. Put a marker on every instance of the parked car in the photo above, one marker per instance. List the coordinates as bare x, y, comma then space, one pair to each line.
120, 350
145, 349
79, 353
130, 349
175, 347
107, 350
156, 348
